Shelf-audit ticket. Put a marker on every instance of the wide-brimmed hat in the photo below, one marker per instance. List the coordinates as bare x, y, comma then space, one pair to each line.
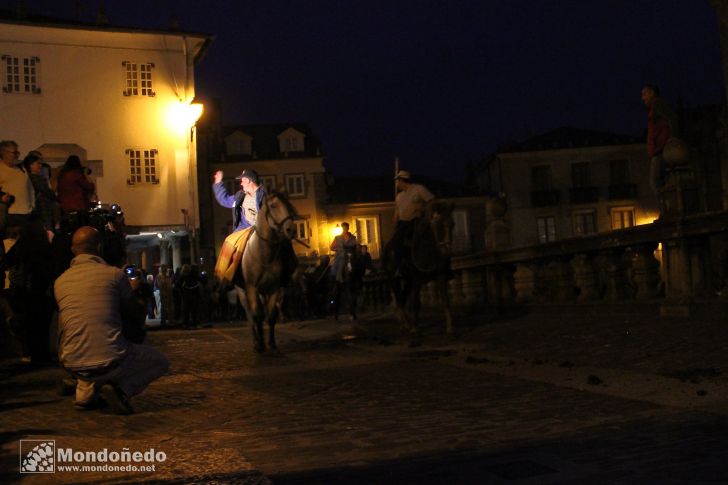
403, 174
248, 174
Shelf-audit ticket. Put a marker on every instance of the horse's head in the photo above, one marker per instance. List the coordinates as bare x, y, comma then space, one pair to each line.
442, 225
279, 214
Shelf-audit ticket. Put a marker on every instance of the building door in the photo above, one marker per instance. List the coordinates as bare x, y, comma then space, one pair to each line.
367, 232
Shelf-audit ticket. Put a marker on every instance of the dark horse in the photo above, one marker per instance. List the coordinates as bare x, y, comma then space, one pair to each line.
267, 265
349, 283
426, 258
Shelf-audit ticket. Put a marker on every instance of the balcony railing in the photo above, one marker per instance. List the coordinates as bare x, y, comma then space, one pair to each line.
584, 195
622, 191
544, 198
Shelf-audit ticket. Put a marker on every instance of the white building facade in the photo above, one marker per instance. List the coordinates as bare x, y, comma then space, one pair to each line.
118, 98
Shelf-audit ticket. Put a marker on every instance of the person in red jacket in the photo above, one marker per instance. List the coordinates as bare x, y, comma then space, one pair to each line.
661, 126
74, 187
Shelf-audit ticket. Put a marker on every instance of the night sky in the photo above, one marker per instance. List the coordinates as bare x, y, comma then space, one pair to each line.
437, 83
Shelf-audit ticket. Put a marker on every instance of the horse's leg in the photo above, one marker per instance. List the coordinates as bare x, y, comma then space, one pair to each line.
255, 315
414, 297
353, 298
400, 301
445, 299
273, 304
337, 300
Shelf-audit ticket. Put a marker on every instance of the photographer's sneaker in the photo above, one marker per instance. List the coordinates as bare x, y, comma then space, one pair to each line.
116, 398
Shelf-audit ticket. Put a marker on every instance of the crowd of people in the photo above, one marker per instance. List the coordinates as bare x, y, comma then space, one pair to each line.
32, 211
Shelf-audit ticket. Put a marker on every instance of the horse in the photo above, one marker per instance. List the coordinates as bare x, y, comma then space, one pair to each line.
349, 283
267, 263
426, 259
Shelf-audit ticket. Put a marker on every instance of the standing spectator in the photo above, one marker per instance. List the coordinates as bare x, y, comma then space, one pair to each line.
46, 203
29, 256
661, 125
75, 190
166, 297
90, 296
190, 289
366, 259
14, 180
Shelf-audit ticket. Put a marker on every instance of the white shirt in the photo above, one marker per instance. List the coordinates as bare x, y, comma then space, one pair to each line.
250, 211
16, 181
411, 203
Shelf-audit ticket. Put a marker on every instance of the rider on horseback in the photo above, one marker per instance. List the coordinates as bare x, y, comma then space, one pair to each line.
245, 204
412, 205
343, 243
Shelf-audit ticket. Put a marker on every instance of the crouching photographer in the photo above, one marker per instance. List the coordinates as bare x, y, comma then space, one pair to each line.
94, 299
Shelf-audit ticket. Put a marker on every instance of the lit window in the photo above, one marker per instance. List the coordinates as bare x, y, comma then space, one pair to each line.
138, 77
546, 227
296, 185
585, 223
622, 217
21, 75
142, 166
301, 229
268, 181
367, 234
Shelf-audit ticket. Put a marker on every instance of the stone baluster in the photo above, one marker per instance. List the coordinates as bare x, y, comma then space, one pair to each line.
617, 286
524, 282
499, 283
562, 280
455, 288
586, 277
473, 286
645, 271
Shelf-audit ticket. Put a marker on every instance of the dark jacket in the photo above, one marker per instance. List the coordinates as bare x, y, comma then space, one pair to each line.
235, 202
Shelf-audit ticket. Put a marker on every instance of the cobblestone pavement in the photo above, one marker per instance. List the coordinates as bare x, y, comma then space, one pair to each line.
579, 394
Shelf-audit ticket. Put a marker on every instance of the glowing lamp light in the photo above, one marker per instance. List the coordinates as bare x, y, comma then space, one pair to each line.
182, 116
336, 231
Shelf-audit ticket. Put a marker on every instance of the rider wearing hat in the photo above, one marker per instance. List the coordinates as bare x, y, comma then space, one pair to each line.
245, 203
413, 203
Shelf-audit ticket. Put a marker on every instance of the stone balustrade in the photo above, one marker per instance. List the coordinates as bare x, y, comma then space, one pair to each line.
675, 260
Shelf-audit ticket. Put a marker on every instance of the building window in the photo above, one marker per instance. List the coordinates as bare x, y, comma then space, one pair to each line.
541, 178
585, 223
269, 182
580, 174
142, 166
296, 185
460, 233
367, 234
618, 172
138, 78
622, 217
21, 75
291, 144
301, 229
546, 227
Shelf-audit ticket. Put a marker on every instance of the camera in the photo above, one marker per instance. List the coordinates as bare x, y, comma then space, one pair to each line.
11, 198
130, 271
